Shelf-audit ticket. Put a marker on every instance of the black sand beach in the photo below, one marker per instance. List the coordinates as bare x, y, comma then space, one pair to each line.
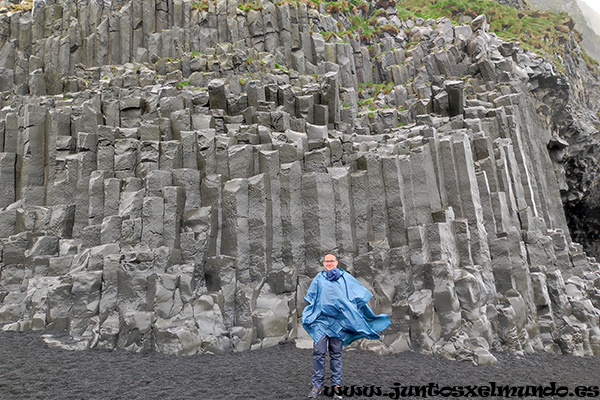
29, 369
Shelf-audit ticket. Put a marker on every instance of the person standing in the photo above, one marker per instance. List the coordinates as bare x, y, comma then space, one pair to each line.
336, 314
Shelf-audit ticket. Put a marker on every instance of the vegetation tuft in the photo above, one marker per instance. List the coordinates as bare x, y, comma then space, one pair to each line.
544, 32
245, 7
202, 5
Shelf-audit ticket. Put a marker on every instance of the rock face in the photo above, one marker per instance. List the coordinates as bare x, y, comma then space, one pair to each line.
173, 174
569, 107
581, 13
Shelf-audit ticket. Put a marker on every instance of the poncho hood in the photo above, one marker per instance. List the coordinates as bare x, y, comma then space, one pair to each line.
333, 274
338, 308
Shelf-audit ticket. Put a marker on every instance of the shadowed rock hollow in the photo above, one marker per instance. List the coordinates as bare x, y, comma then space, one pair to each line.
173, 172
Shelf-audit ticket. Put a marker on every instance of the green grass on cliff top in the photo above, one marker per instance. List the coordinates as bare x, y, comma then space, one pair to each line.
544, 32
531, 26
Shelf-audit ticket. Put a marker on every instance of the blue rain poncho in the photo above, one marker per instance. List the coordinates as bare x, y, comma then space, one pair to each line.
337, 307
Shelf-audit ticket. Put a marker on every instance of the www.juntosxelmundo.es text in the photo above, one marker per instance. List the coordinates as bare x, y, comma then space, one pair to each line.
432, 390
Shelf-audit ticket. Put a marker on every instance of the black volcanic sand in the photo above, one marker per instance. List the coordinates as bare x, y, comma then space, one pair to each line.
29, 369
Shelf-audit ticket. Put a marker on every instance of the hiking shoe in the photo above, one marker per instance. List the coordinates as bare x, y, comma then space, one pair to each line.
314, 392
337, 392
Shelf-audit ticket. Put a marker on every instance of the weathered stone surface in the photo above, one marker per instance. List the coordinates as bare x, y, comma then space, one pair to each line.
152, 220
172, 178
319, 214
7, 175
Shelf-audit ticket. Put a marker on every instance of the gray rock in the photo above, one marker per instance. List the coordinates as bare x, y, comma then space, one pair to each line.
37, 83
174, 203
319, 214
7, 175
216, 93
152, 221
143, 214
43, 245
189, 179
6, 79
170, 155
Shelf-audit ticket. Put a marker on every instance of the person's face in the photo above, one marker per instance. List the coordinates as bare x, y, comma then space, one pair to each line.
329, 261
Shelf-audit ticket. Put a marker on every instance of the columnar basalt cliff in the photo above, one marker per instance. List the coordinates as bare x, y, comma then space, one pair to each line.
173, 172
570, 107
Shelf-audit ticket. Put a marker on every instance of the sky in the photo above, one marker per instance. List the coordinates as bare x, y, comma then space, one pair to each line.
593, 22
595, 4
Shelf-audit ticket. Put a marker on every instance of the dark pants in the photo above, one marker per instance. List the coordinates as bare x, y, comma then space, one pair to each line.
335, 361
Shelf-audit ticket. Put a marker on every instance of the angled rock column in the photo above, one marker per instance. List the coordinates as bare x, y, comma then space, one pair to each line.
7, 177
361, 205
87, 144
378, 198
58, 122
189, 179
65, 184
149, 19
197, 239
106, 150
130, 210
211, 194
515, 174
125, 157
11, 132
170, 155
448, 169
483, 153
241, 161
424, 323
525, 155
137, 25
110, 280
425, 188
331, 96
485, 197
221, 275
235, 241
502, 264
31, 159
456, 97
260, 228
292, 221
409, 205
174, 204
114, 39
445, 299
86, 299
112, 193
189, 140
207, 162
505, 222
345, 233
126, 32
395, 200
152, 221
462, 236
442, 244
505, 179
132, 280
470, 200
319, 218
520, 269
270, 166
96, 197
